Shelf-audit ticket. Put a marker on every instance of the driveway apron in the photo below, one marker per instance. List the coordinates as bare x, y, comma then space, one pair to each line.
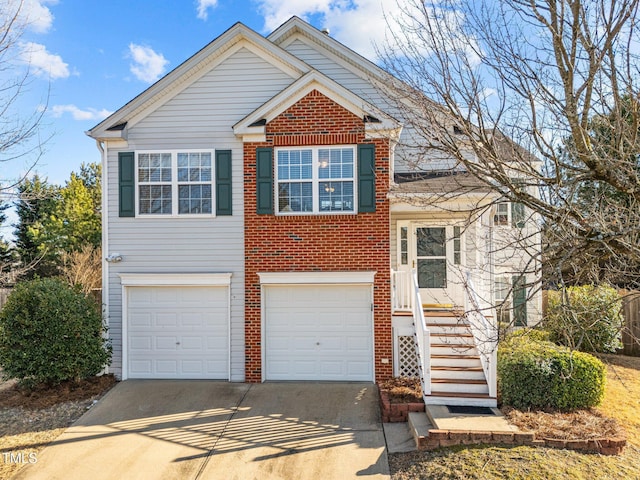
182, 429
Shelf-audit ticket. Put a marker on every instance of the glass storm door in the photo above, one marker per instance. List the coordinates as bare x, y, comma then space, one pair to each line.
437, 259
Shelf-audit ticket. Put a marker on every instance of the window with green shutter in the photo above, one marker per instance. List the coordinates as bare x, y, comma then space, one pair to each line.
519, 300
126, 184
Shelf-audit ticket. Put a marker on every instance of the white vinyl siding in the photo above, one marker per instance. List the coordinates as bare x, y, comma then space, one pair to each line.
198, 118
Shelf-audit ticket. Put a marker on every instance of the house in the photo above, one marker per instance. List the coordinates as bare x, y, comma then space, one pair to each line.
256, 227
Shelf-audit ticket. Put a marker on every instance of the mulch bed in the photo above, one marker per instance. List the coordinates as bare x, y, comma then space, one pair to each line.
43, 396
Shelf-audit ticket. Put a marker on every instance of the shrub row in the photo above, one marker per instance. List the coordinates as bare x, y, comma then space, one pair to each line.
535, 373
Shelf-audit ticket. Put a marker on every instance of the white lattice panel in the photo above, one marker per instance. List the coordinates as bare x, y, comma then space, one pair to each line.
407, 357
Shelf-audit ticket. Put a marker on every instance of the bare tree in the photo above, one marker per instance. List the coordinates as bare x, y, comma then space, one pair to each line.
21, 143
533, 102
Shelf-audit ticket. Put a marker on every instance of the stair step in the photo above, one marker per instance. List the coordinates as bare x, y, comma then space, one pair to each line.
435, 393
458, 369
453, 335
456, 346
456, 357
458, 381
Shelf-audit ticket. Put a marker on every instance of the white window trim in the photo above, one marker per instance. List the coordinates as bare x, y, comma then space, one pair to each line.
495, 214
174, 184
315, 180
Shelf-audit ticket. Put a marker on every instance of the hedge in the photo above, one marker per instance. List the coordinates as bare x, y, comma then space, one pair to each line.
537, 374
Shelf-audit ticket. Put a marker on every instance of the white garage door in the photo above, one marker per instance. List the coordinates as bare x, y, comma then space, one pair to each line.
178, 332
319, 332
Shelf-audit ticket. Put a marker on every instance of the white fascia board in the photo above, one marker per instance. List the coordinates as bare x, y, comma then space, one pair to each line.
200, 63
175, 279
314, 80
316, 278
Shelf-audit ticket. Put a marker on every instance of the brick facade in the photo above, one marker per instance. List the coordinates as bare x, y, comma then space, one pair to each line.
322, 242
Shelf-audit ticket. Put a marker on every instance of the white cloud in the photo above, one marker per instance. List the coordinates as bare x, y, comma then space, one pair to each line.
34, 14
203, 6
79, 114
355, 23
147, 65
43, 63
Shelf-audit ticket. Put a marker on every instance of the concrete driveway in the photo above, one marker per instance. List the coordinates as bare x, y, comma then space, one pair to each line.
164, 429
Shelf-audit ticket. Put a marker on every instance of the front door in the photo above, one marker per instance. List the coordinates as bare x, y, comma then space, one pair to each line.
437, 257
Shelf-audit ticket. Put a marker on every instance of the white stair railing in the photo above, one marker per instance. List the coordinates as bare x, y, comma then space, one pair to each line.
485, 335
402, 291
423, 341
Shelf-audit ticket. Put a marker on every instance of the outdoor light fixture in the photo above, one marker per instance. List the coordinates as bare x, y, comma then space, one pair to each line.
114, 258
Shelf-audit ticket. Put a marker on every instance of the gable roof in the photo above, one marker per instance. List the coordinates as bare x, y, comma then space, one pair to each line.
236, 37
377, 122
358, 64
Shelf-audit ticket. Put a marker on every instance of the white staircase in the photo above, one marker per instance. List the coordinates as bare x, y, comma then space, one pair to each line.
456, 349
457, 375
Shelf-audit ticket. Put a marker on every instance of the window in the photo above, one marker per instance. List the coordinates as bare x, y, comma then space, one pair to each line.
502, 288
404, 246
510, 295
175, 183
501, 217
457, 246
509, 213
315, 180
431, 255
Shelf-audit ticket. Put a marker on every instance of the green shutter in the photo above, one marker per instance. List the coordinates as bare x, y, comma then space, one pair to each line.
126, 184
366, 178
264, 181
223, 182
519, 300
517, 215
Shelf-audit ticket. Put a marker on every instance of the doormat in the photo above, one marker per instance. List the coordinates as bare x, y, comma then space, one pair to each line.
469, 410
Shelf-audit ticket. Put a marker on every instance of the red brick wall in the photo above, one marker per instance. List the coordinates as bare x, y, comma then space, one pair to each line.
320, 242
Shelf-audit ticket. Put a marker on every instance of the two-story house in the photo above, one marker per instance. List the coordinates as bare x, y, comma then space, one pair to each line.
256, 228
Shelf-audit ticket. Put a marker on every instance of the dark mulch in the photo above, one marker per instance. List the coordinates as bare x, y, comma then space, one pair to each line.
403, 390
43, 396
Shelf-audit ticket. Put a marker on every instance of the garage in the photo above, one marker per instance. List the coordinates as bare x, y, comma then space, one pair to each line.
176, 331
318, 332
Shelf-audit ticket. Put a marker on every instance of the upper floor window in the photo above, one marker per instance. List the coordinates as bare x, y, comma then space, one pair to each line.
315, 179
501, 216
509, 214
175, 183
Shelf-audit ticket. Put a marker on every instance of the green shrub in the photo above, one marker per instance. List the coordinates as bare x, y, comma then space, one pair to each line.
587, 318
541, 374
50, 332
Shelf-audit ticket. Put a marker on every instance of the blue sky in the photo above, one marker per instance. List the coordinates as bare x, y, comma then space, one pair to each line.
89, 58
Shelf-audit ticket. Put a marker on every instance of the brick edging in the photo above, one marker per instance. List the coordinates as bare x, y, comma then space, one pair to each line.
396, 412
399, 412
448, 438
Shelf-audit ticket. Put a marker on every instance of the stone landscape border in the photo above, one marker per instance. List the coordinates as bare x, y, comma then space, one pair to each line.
399, 412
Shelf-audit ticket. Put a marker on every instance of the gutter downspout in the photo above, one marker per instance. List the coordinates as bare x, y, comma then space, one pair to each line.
103, 148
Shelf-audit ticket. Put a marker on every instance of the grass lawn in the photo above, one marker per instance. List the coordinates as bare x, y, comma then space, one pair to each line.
622, 402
